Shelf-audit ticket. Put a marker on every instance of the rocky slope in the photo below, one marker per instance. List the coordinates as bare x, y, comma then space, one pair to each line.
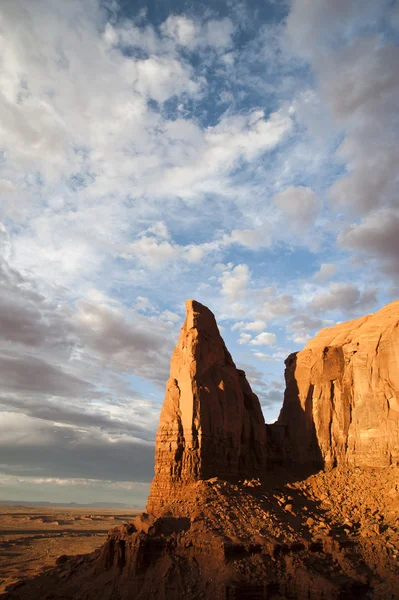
211, 424
333, 536
213, 529
341, 404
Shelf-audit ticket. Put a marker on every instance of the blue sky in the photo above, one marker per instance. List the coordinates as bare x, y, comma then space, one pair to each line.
240, 153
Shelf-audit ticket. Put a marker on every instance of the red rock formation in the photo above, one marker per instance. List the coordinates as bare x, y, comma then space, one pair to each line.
341, 403
211, 422
333, 535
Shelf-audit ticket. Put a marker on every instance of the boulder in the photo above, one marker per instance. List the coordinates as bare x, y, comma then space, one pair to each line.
145, 523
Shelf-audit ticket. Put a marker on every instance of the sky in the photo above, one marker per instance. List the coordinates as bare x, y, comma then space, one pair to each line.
241, 153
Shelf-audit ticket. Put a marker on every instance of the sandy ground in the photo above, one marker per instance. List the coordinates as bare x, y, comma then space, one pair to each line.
32, 538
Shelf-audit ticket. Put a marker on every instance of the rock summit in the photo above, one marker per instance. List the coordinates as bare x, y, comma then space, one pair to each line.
211, 423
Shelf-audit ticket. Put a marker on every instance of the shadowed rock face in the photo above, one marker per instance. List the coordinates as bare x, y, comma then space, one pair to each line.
341, 403
211, 424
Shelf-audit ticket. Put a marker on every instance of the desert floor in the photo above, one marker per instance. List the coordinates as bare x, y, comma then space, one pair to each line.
32, 538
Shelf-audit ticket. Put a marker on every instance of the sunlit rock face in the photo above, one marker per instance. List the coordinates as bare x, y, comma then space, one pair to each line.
341, 402
211, 424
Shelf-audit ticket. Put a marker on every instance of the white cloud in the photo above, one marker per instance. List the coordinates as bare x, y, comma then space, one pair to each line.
326, 271
151, 252
312, 24
6, 187
359, 82
301, 338
56, 451
64, 113
255, 326
251, 326
157, 250
214, 33
262, 356
78, 490
346, 297
263, 388
122, 156
168, 315
235, 282
218, 33
264, 339
369, 75
193, 253
159, 229
183, 30
300, 205
274, 305
161, 78
305, 323
249, 238
220, 149
376, 236
245, 338
125, 340
144, 304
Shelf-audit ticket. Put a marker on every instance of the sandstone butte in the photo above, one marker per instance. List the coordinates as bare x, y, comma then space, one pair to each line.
341, 403
234, 511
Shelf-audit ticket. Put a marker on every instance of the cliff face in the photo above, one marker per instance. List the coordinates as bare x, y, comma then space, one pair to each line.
341, 403
211, 424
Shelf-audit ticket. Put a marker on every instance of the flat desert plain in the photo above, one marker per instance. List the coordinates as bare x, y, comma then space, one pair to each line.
32, 537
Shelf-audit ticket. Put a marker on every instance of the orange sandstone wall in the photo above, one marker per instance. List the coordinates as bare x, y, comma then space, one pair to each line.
341, 403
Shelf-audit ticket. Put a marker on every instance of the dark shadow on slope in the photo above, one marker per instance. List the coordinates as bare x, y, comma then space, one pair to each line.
322, 541
292, 441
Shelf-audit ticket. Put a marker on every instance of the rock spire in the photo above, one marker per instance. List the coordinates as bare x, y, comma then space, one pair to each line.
211, 424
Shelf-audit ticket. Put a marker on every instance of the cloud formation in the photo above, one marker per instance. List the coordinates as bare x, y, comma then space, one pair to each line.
345, 296
376, 236
300, 206
358, 79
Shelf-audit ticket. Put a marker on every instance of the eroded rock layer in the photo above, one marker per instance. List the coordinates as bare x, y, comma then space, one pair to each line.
211, 424
341, 402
